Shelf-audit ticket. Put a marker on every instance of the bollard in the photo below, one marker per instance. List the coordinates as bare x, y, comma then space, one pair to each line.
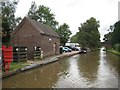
42, 55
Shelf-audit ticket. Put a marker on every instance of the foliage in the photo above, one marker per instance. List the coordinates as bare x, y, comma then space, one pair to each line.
73, 39
42, 14
32, 11
8, 18
113, 37
114, 51
116, 33
88, 35
64, 33
117, 47
108, 37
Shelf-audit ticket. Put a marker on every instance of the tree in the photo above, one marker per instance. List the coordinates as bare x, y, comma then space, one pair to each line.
42, 14
33, 11
8, 18
88, 35
74, 39
113, 37
64, 33
116, 33
108, 37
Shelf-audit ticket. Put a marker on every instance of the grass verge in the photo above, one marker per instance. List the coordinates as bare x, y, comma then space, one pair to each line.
114, 51
17, 65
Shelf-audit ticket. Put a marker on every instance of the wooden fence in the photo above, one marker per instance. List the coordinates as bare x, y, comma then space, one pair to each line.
19, 54
37, 53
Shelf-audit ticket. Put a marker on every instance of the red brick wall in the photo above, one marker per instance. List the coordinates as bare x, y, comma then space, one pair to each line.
27, 36
48, 47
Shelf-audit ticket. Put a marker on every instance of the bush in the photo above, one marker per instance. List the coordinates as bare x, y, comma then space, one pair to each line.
117, 47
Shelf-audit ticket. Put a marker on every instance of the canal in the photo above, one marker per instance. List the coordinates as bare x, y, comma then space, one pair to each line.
98, 69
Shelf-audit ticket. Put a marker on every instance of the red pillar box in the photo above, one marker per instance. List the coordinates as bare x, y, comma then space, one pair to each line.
7, 56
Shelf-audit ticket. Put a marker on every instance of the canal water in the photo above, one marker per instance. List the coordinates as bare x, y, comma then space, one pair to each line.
98, 69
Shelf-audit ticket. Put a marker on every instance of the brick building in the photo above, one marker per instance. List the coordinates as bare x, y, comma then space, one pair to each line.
30, 33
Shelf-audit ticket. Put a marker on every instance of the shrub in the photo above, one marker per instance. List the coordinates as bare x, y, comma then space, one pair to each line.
117, 47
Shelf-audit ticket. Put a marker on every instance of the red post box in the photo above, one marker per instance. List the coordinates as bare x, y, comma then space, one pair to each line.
7, 56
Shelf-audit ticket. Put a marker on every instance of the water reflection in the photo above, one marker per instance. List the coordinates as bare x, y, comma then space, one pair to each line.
96, 69
106, 72
35, 78
88, 66
71, 78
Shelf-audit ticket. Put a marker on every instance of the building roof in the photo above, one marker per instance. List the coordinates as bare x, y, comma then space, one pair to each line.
42, 28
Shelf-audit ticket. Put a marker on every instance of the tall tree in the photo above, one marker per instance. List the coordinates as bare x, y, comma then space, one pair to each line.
8, 18
108, 37
64, 33
113, 37
74, 39
89, 35
42, 14
33, 11
116, 33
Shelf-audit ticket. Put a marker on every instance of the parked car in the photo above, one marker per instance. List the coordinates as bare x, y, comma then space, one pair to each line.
83, 50
66, 49
78, 48
72, 48
88, 49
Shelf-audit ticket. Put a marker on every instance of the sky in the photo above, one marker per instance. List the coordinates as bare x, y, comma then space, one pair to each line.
75, 12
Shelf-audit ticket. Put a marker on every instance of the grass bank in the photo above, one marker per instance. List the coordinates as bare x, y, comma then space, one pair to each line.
15, 65
113, 51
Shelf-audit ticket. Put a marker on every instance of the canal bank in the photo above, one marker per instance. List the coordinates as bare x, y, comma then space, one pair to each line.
113, 51
98, 69
36, 63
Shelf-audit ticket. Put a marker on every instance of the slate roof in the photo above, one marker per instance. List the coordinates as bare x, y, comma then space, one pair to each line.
42, 28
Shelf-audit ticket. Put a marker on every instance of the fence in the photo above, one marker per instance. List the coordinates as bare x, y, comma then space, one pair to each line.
37, 53
19, 54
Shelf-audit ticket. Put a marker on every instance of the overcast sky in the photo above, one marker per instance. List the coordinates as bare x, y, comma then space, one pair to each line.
75, 12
